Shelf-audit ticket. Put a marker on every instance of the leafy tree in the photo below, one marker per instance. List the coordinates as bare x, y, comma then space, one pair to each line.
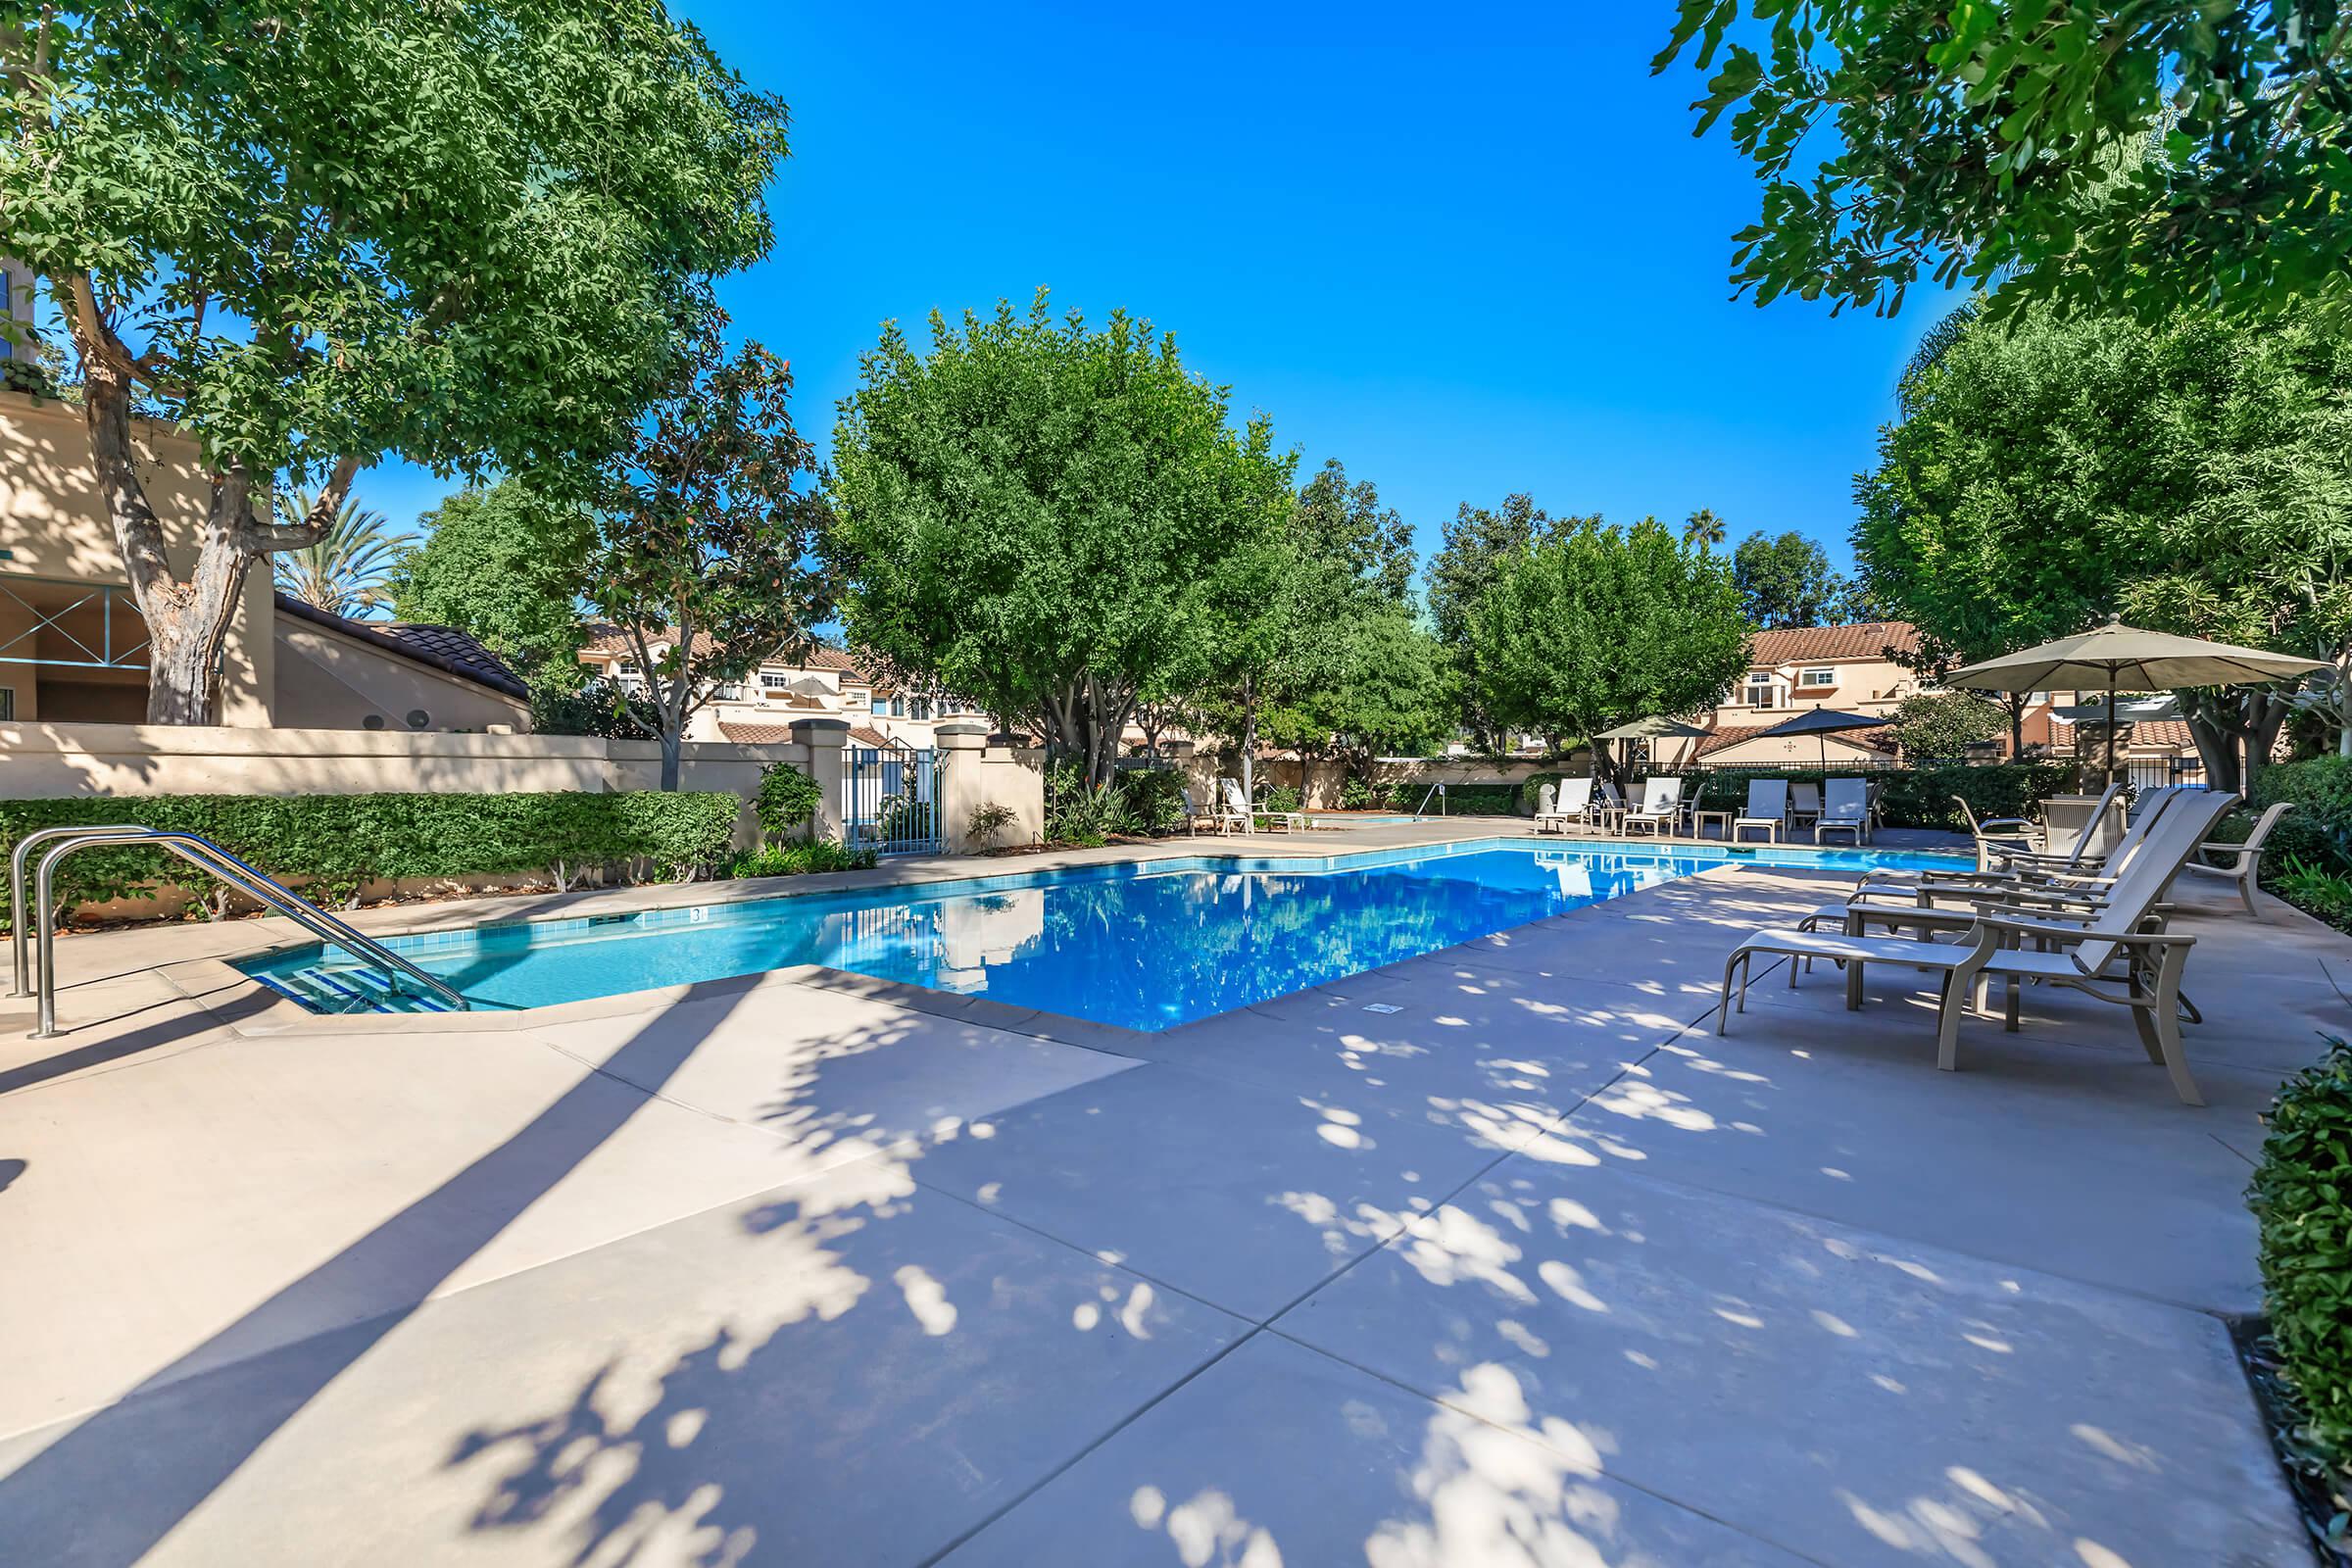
1704, 528
1349, 525
705, 534
1040, 516
345, 570
1380, 693
1942, 725
1597, 625
2194, 477
506, 564
1787, 581
316, 234
1466, 566
2132, 158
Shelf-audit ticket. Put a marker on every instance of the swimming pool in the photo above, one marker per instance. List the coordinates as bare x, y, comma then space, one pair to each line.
1139, 944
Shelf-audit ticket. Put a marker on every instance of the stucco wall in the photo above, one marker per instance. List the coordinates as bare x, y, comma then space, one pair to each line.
330, 681
53, 526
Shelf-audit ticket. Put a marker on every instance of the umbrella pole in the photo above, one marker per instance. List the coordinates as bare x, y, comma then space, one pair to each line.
2110, 778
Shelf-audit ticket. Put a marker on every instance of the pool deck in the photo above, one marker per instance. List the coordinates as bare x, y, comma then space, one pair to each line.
1532, 1270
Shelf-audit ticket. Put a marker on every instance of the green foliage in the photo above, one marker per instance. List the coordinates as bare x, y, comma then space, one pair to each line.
1597, 625
1477, 545
2196, 476
1154, 798
347, 570
1787, 581
1704, 528
988, 819
1081, 814
2302, 1198
786, 801
798, 860
2318, 830
1941, 725
705, 532
1460, 800
2316, 890
2141, 157
335, 843
1282, 798
505, 565
1055, 520
1355, 795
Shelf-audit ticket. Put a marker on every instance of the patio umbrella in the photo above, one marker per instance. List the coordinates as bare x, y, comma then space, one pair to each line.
1823, 723
1652, 729
2120, 657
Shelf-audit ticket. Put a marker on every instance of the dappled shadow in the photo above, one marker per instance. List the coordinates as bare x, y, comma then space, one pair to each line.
108, 1488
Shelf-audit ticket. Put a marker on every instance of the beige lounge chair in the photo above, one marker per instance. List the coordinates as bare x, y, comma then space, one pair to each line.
1569, 804
1805, 803
2078, 950
1237, 805
1662, 807
2244, 860
1767, 809
1195, 818
1847, 811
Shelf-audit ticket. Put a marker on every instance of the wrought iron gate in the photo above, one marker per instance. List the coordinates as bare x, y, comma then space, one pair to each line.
891, 798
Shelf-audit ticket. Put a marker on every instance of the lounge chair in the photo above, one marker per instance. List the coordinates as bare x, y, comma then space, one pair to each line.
2074, 873
2244, 860
1767, 809
2076, 947
1662, 807
1237, 805
1195, 818
1997, 833
1569, 804
1847, 811
1804, 803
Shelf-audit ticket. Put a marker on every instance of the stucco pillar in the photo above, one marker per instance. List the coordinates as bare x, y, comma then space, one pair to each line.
963, 785
826, 738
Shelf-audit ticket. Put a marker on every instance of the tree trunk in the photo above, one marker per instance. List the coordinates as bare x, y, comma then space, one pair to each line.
673, 745
2016, 701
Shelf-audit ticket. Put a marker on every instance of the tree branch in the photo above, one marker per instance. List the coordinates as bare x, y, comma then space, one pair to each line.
266, 538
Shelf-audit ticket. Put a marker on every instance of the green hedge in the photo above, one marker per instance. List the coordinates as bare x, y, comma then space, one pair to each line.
1462, 800
335, 843
2318, 830
2302, 1197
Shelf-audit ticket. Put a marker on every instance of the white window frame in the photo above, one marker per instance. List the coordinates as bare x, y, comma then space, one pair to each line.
1829, 676
1765, 683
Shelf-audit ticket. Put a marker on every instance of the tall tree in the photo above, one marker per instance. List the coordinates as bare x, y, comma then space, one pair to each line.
345, 571
1704, 528
314, 235
2132, 158
1787, 581
2196, 477
705, 532
1597, 625
1468, 564
1039, 514
506, 565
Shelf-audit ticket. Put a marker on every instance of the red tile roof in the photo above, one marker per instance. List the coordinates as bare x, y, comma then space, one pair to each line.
756, 734
607, 638
867, 735
1807, 645
2162, 734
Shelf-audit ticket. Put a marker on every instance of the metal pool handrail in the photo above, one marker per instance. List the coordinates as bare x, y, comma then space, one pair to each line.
17, 921
207, 855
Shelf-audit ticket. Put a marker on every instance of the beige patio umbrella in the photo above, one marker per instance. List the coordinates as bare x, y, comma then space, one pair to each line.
2120, 657
1656, 728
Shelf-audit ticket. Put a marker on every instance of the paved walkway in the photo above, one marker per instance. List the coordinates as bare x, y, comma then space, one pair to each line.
1527, 1271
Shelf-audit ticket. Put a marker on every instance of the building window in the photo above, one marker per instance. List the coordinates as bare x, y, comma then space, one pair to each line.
921, 707
1759, 691
773, 680
627, 667
1817, 677
731, 692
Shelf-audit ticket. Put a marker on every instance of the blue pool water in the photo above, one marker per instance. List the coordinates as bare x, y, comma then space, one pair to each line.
1142, 945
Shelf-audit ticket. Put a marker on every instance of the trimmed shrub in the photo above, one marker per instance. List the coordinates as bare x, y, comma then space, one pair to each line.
1355, 795
788, 797
2302, 1198
1462, 800
798, 860
1284, 799
333, 843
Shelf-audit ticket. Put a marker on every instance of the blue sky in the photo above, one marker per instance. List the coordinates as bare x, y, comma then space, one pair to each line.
1468, 264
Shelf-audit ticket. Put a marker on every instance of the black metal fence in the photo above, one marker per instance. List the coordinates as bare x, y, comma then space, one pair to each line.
891, 800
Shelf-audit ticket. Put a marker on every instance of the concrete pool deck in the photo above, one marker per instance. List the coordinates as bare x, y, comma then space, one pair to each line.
1532, 1270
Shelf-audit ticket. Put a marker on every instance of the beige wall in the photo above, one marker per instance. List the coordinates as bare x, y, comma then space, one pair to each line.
327, 680
53, 526
1862, 686
978, 775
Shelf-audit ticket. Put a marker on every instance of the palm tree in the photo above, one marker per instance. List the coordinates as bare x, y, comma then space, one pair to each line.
345, 572
1704, 528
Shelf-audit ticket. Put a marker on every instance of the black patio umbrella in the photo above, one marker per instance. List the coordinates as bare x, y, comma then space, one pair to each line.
1823, 723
